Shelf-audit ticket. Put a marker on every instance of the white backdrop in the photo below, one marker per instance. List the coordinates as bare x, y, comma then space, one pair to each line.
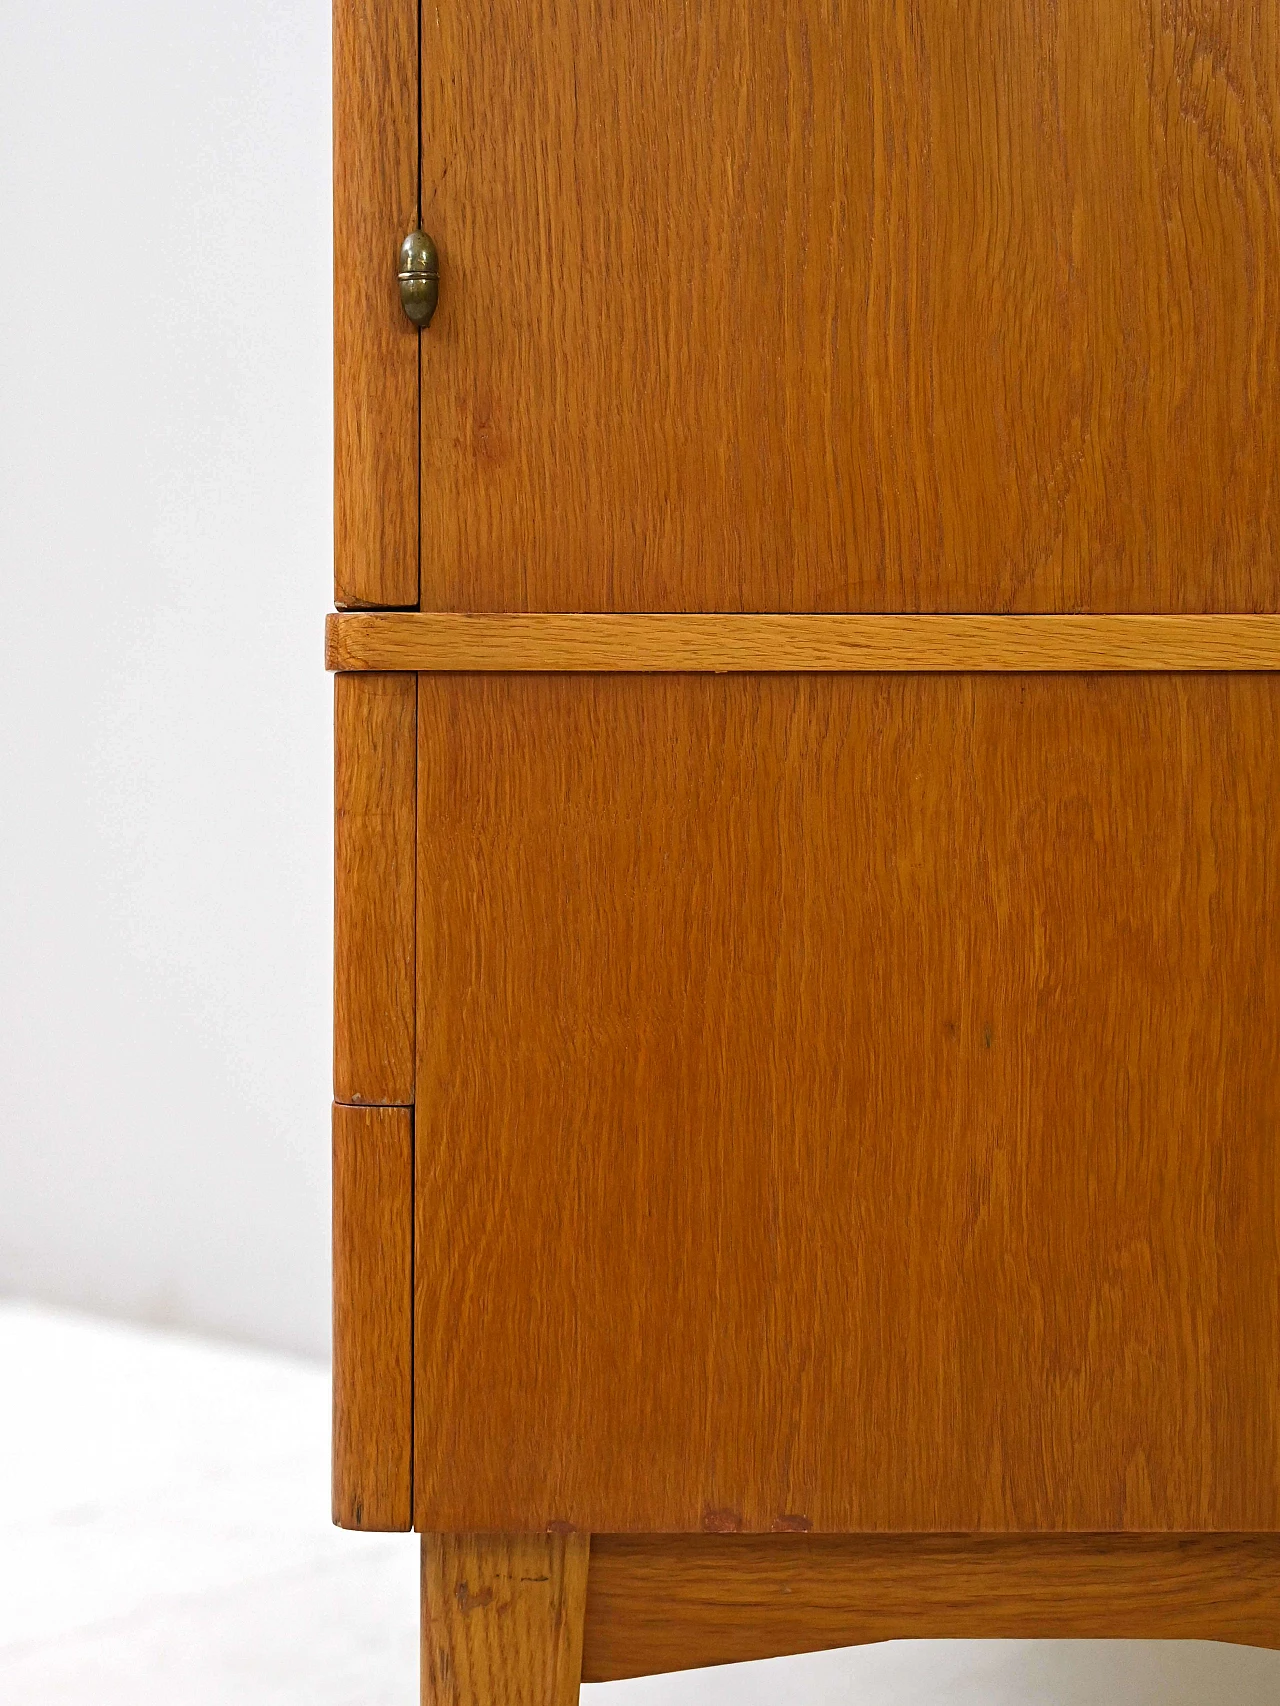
165, 558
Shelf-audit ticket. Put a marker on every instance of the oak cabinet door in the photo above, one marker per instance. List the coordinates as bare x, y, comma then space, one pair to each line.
848, 1102
817, 306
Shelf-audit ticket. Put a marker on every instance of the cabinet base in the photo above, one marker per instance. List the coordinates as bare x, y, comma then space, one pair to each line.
518, 1620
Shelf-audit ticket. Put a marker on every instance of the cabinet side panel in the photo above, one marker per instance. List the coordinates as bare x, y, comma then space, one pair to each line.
375, 349
372, 1317
375, 718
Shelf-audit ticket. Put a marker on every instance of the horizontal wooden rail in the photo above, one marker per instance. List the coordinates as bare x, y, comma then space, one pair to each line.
707, 644
675, 1602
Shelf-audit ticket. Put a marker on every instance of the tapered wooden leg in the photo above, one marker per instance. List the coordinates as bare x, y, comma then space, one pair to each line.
502, 1618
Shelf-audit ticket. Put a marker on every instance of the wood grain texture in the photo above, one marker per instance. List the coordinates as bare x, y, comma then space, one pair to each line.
724, 644
502, 1619
915, 306
848, 1101
375, 762
375, 349
661, 1603
372, 1317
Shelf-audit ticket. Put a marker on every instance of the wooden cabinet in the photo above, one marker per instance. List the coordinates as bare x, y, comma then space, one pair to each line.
808, 698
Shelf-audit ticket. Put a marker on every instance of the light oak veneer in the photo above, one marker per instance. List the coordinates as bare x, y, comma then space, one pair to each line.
745, 644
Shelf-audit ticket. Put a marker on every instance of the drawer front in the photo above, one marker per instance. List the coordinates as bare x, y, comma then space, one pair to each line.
847, 1101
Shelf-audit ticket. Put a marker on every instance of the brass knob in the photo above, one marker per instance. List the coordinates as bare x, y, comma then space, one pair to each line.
419, 278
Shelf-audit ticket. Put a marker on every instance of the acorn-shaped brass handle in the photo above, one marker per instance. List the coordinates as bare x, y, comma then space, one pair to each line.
419, 278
